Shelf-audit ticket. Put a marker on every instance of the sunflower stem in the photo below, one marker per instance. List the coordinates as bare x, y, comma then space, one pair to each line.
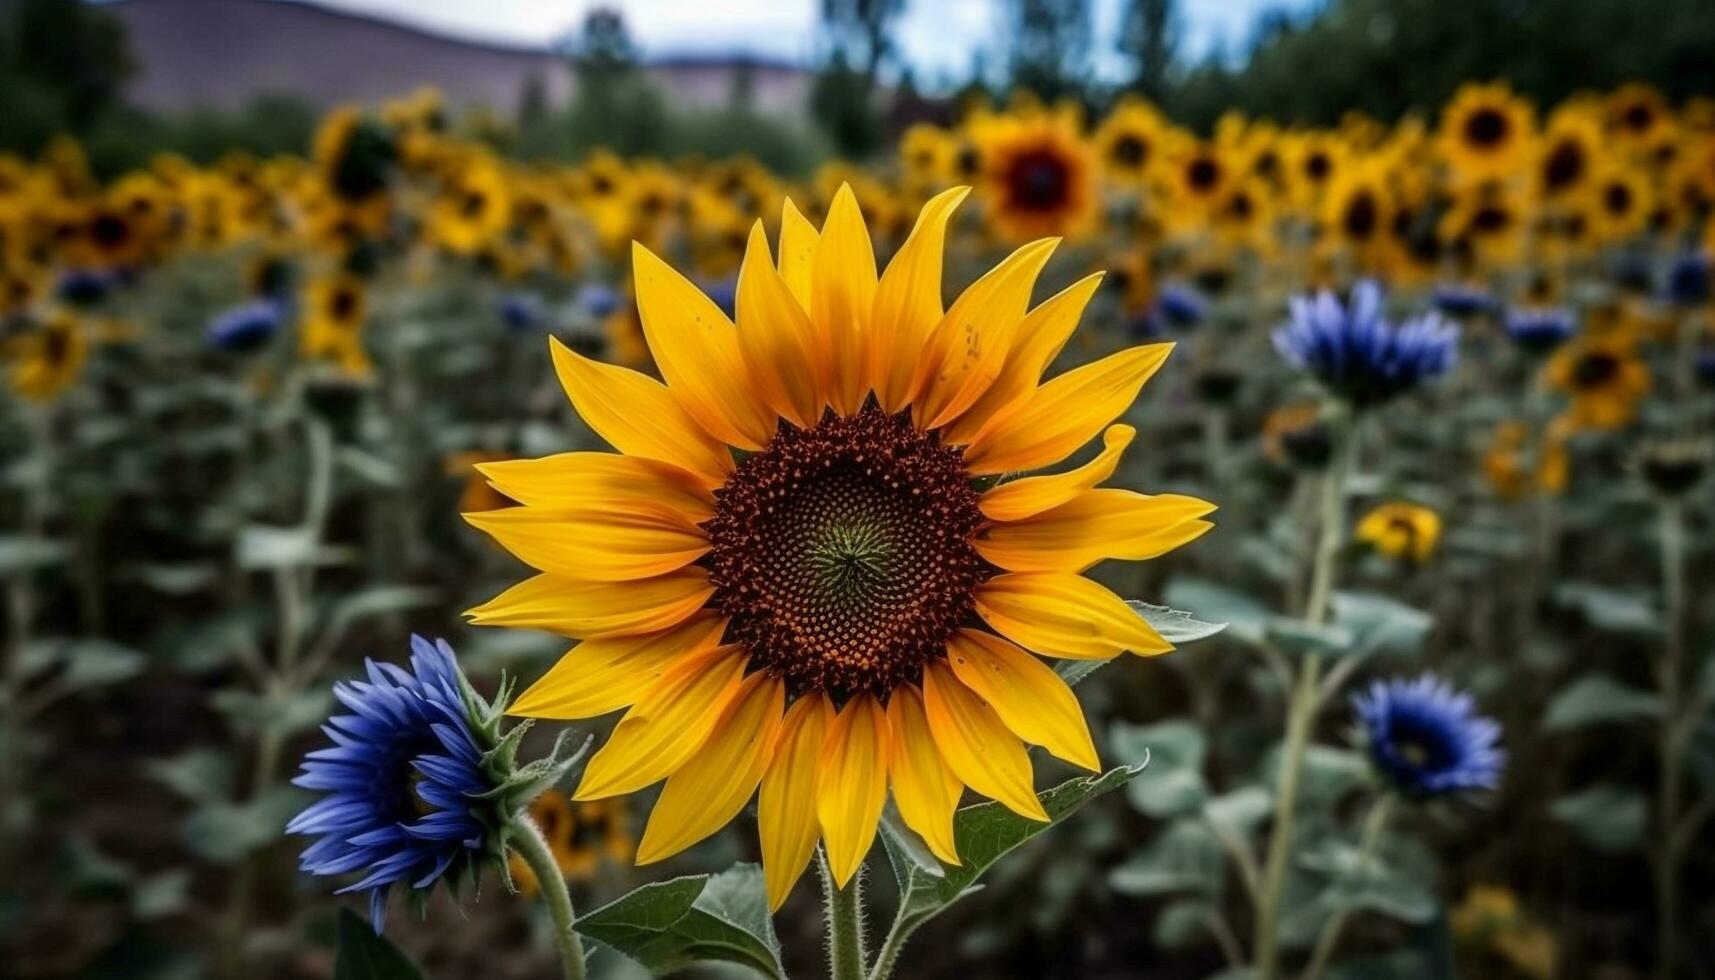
1669, 791
1306, 696
845, 923
1374, 824
528, 841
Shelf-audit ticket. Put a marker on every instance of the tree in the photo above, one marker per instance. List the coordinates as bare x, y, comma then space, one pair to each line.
1149, 35
861, 33
1050, 47
63, 66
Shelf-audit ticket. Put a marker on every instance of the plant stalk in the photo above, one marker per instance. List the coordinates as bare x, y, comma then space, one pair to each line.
1670, 792
1374, 823
845, 923
527, 839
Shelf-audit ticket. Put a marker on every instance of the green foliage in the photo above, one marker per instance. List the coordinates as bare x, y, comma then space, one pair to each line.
668, 925
364, 955
63, 65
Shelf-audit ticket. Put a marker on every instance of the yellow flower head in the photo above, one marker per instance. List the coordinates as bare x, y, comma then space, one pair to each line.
46, 359
1039, 176
1487, 132
1401, 530
335, 308
580, 836
847, 607
1604, 377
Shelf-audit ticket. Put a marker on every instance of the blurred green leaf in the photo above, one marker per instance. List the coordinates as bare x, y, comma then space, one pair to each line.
1607, 817
1173, 784
222, 833
1186, 857
1183, 924
201, 775
1595, 699
98, 663
1303, 638
23, 554
1245, 618
285, 714
669, 925
1611, 609
1176, 626
367, 955
1380, 625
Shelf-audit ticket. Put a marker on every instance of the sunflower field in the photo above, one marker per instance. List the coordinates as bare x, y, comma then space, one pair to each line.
425, 562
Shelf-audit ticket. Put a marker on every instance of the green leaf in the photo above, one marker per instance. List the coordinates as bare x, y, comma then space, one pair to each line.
263, 548
1380, 625
905, 849
285, 714
98, 663
1611, 609
1176, 626
24, 554
1597, 698
378, 601
1186, 857
222, 833
1183, 923
1607, 817
1173, 785
669, 925
365, 955
985, 833
1246, 618
201, 775
1303, 638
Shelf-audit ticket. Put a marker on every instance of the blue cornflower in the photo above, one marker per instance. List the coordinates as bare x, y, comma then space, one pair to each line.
599, 300
401, 781
1357, 354
1179, 306
241, 329
724, 292
1541, 329
1688, 280
85, 287
520, 312
1461, 300
1427, 739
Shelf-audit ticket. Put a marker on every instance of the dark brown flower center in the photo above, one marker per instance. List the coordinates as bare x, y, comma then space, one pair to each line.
1129, 150
1361, 217
1486, 127
842, 553
1038, 180
1595, 370
1564, 167
1203, 174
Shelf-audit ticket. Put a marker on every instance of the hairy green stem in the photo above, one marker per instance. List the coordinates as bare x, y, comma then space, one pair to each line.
528, 841
1306, 696
1374, 823
845, 923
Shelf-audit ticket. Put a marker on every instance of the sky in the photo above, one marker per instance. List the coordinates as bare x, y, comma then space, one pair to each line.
938, 37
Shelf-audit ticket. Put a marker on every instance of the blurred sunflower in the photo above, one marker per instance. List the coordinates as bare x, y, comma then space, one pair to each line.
1039, 177
1129, 143
1621, 202
473, 209
1486, 132
928, 155
1604, 377
1356, 211
44, 359
1401, 530
1485, 225
1490, 918
334, 310
1639, 117
811, 620
1513, 470
580, 836
1198, 178
1315, 160
1568, 155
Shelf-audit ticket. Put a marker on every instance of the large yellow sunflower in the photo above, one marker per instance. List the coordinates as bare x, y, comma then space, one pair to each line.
800, 572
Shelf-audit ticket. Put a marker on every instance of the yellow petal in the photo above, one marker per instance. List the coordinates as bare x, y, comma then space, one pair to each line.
638, 416
610, 673
908, 302
714, 785
966, 350
1033, 701
1096, 524
851, 784
629, 483
978, 746
666, 726
924, 786
696, 348
594, 542
1019, 499
588, 610
844, 294
1054, 420
1041, 336
786, 806
797, 251
776, 338
1063, 614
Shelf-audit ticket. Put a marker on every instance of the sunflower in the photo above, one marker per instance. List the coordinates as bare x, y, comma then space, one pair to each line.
1567, 156
1486, 224
1486, 132
1130, 143
45, 359
1039, 177
853, 603
1356, 213
473, 209
1314, 162
1199, 179
1621, 200
1604, 377
1511, 471
580, 836
335, 308
1244, 214
1401, 530
1638, 116
927, 157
